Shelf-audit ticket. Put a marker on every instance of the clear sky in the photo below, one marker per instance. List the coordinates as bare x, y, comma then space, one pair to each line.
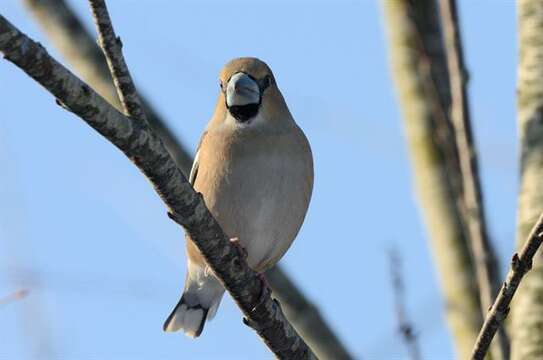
86, 234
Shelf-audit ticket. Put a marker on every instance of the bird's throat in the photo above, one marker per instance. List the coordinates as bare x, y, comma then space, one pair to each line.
244, 113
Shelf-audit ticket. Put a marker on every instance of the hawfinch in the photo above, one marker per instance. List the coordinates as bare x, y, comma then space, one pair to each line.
254, 169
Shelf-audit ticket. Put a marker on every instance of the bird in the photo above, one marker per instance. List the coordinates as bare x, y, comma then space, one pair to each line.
254, 169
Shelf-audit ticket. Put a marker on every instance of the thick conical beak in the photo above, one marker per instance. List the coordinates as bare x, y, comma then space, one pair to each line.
242, 90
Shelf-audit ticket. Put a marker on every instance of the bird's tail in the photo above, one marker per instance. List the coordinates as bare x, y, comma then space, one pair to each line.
200, 300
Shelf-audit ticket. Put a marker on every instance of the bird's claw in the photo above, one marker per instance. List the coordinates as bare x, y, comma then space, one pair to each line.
240, 249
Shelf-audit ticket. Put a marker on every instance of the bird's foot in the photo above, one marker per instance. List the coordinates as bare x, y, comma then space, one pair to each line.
265, 291
240, 249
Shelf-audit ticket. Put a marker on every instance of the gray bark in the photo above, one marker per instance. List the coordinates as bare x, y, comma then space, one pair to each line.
521, 263
79, 48
145, 149
74, 42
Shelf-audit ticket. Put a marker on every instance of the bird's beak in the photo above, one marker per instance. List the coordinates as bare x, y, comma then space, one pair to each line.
242, 90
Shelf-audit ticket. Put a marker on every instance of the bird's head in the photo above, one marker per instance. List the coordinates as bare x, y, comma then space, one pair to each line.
246, 85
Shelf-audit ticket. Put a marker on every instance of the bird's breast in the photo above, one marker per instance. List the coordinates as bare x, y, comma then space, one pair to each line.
259, 193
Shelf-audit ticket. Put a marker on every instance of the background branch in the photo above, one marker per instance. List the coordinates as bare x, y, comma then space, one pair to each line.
527, 309
145, 149
520, 265
69, 36
14, 296
404, 326
484, 258
306, 318
75, 43
420, 72
112, 47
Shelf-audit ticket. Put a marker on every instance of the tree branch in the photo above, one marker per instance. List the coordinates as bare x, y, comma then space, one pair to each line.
187, 207
71, 38
111, 46
79, 48
485, 262
406, 329
520, 265
527, 311
420, 72
14, 296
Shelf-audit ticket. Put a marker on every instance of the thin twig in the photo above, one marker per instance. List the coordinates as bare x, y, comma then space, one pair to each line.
404, 326
186, 207
66, 31
485, 261
112, 47
14, 296
79, 48
521, 263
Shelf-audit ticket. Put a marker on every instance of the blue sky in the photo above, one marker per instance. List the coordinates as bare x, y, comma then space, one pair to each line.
86, 234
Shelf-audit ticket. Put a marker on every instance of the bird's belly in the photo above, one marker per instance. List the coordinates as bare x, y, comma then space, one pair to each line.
267, 235
264, 210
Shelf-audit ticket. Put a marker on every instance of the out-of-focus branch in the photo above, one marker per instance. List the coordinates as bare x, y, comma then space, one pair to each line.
404, 326
520, 265
67, 33
79, 48
484, 257
186, 207
420, 71
14, 296
306, 318
527, 309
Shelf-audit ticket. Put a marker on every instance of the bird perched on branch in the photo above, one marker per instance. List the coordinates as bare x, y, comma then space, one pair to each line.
254, 169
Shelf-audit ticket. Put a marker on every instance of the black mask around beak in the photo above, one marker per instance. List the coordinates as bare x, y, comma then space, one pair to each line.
243, 96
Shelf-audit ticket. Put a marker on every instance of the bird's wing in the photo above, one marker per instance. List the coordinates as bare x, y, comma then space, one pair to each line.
192, 252
196, 163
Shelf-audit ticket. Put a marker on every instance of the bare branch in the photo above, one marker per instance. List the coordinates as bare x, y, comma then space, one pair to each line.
420, 72
69, 36
111, 46
187, 207
404, 326
75, 43
527, 311
521, 263
14, 296
485, 262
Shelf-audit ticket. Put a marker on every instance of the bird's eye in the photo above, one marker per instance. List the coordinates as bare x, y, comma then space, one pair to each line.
265, 82
221, 85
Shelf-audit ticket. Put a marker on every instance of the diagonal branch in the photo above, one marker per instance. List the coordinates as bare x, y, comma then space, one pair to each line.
484, 258
14, 296
111, 46
521, 263
420, 72
70, 37
79, 48
145, 149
